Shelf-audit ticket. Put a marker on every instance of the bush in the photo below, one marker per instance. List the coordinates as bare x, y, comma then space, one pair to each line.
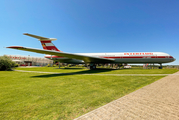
54, 65
16, 65
48, 65
6, 63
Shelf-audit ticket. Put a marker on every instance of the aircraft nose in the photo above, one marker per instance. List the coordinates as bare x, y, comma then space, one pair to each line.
173, 59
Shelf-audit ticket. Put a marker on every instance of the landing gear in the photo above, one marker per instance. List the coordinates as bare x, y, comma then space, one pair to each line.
91, 66
160, 66
119, 66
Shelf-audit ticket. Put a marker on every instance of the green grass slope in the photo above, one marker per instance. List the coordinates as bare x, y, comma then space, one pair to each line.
55, 96
100, 70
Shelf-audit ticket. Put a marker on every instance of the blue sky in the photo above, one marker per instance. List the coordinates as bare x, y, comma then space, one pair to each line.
83, 26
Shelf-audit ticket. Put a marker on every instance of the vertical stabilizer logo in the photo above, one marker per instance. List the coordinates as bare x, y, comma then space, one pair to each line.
43, 44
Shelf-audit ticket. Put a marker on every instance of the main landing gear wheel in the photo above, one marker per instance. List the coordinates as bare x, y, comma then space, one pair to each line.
91, 67
160, 66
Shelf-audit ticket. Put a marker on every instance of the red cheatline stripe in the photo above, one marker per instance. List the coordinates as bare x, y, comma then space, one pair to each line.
122, 57
160, 56
140, 57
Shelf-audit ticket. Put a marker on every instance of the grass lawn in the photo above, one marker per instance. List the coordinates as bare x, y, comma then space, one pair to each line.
55, 96
100, 71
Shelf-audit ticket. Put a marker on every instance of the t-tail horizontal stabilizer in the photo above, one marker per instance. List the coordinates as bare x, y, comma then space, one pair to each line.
40, 38
46, 42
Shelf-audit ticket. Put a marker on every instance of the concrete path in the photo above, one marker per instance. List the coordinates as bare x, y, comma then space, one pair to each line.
157, 101
98, 74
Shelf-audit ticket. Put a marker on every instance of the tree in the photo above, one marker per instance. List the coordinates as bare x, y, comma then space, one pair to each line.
6, 63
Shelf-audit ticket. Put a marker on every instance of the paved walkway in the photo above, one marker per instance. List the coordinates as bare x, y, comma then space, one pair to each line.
98, 74
157, 101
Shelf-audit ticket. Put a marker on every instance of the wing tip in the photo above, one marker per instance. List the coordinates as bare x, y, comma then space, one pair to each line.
25, 33
14, 47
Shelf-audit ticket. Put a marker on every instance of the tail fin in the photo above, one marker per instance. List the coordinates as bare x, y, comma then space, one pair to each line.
46, 42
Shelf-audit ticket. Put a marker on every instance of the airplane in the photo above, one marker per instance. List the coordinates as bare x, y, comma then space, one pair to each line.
92, 59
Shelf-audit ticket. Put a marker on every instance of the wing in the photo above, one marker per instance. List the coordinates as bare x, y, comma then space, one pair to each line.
86, 59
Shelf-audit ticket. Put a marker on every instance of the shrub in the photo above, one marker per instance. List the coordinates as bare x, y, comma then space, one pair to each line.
48, 65
16, 65
6, 63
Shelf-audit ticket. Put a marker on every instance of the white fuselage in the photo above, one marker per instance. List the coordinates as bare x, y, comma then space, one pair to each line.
127, 57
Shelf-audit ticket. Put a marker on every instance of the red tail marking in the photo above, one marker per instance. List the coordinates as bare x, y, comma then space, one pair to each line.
49, 47
46, 41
